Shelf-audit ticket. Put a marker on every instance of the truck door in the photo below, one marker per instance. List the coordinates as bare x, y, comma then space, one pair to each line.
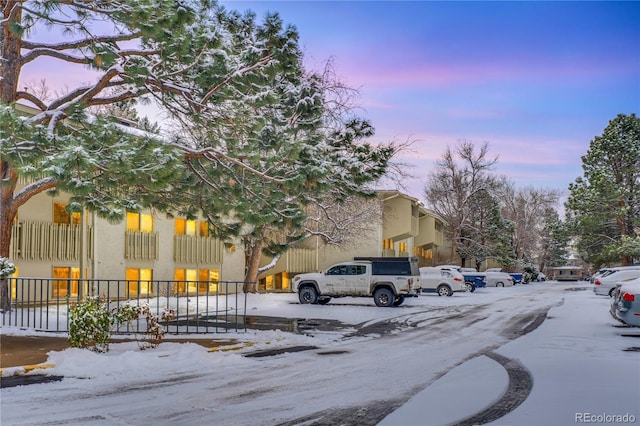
358, 279
336, 282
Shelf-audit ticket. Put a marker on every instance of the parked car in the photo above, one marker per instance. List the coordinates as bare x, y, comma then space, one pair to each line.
517, 277
441, 281
605, 285
471, 275
457, 271
498, 279
625, 304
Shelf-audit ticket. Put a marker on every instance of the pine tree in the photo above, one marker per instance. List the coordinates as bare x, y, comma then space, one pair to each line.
256, 119
604, 204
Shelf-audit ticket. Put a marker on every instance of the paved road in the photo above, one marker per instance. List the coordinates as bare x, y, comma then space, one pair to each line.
412, 351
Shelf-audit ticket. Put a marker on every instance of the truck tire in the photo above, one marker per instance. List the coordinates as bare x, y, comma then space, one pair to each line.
470, 286
384, 297
444, 290
308, 295
399, 300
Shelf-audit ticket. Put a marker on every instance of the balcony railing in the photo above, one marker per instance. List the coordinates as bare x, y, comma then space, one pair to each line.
196, 249
48, 241
141, 245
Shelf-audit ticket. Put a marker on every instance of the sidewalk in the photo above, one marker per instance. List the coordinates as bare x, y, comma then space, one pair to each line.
28, 350
21, 351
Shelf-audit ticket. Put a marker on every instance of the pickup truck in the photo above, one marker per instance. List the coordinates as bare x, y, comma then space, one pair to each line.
387, 280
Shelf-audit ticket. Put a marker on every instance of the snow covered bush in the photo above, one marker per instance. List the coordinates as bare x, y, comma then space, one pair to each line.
155, 332
6, 268
91, 323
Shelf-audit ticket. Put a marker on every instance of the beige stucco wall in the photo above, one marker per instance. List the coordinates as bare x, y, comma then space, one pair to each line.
399, 223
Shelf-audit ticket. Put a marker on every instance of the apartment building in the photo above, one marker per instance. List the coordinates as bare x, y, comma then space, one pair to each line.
404, 228
48, 242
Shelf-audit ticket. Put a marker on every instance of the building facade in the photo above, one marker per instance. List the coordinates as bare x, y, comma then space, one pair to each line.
49, 242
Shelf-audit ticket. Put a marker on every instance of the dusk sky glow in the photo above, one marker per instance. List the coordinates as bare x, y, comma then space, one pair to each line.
536, 80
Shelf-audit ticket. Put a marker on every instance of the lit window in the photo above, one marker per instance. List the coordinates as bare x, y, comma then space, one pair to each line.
139, 222
133, 221
186, 280
65, 281
61, 215
209, 280
139, 281
194, 280
185, 227
204, 229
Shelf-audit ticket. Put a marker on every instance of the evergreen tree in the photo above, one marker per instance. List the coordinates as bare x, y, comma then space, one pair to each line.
604, 204
256, 117
553, 242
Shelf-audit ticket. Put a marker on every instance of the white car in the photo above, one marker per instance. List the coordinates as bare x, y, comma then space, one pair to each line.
456, 271
498, 279
605, 285
444, 282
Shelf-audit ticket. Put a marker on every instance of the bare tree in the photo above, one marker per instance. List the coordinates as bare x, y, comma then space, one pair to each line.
459, 177
526, 208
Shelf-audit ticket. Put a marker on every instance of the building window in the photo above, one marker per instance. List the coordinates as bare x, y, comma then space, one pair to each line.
196, 281
65, 281
191, 227
204, 228
140, 222
61, 215
139, 281
185, 227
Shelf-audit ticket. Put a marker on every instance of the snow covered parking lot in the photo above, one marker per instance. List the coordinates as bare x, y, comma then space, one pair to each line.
432, 361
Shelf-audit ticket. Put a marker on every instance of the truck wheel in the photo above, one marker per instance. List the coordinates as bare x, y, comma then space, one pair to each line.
308, 294
399, 300
384, 297
470, 287
324, 300
444, 290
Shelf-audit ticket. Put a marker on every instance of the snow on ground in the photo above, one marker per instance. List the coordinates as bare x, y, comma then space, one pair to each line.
584, 368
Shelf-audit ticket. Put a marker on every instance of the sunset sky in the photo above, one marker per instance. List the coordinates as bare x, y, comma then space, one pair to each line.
537, 80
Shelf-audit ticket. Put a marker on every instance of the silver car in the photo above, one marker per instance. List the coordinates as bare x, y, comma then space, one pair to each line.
625, 304
606, 284
498, 279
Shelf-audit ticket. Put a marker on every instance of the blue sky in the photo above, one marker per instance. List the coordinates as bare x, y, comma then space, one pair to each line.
536, 80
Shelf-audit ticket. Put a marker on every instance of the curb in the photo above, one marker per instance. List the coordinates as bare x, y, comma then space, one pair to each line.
21, 370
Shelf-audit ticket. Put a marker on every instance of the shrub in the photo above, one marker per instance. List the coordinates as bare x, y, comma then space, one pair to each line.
91, 324
7, 268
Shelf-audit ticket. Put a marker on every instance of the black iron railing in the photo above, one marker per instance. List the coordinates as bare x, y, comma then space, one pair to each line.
196, 307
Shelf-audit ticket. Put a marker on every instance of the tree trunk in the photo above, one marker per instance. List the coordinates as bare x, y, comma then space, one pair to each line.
253, 251
10, 52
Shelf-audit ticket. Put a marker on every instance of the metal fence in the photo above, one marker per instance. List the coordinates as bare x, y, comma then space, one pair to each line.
196, 307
